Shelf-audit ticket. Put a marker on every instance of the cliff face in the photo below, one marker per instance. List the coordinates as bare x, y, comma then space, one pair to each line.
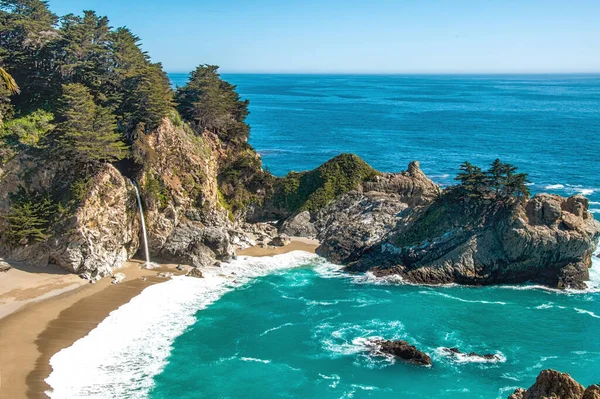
356, 220
100, 234
177, 177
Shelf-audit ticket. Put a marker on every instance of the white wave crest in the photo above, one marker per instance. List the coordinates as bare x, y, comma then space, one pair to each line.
590, 313
255, 360
275, 329
554, 186
120, 357
461, 299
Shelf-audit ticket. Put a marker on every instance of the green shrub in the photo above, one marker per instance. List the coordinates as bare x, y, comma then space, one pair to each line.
28, 130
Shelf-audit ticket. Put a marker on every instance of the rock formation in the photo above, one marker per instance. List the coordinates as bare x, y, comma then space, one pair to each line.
547, 240
402, 350
551, 384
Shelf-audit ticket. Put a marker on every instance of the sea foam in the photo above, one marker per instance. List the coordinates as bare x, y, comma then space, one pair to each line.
120, 357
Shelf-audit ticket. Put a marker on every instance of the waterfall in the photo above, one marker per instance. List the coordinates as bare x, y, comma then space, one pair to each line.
139, 201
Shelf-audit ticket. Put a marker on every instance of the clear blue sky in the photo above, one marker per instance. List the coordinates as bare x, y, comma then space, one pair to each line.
361, 36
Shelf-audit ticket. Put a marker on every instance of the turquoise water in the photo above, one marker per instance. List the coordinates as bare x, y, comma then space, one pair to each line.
298, 334
294, 326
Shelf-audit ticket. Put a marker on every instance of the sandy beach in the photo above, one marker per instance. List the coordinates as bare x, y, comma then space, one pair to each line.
45, 310
297, 244
53, 316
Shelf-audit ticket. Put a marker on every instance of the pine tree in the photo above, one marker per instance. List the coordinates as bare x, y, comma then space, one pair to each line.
26, 32
86, 131
210, 103
472, 181
516, 186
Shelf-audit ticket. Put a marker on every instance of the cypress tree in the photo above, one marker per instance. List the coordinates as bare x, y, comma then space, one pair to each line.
85, 131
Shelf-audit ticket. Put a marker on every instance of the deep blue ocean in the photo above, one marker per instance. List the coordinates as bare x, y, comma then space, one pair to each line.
294, 326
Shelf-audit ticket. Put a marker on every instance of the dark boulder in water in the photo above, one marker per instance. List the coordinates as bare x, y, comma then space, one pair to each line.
402, 350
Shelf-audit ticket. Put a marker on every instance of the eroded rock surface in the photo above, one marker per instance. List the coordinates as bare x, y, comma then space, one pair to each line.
551, 384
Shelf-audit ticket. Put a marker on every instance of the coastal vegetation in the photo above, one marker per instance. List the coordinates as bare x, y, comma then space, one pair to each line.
499, 183
310, 191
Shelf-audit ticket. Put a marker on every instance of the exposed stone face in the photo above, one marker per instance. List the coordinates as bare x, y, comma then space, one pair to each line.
185, 225
354, 222
539, 241
99, 236
299, 225
280, 241
194, 244
592, 392
551, 384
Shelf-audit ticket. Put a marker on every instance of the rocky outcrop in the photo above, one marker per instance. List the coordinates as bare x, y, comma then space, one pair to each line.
360, 218
591, 392
547, 240
177, 177
197, 245
402, 350
280, 241
195, 272
551, 384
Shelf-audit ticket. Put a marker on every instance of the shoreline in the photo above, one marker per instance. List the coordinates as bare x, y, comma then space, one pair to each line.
32, 334
46, 310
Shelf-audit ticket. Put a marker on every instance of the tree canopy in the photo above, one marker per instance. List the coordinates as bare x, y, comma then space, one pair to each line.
500, 182
85, 131
212, 104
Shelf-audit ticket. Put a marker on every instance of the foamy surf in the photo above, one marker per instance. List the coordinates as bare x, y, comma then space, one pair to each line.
120, 357
462, 358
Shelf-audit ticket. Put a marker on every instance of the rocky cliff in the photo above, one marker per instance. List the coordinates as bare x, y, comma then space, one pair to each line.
97, 225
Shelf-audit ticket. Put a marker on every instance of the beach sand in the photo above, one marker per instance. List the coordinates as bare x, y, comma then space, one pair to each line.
56, 319
45, 310
297, 244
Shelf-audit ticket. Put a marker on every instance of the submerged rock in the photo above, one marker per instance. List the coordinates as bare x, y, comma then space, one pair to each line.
402, 350
551, 384
164, 275
457, 352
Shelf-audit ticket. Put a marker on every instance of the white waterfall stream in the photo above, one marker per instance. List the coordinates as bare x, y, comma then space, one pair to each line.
139, 201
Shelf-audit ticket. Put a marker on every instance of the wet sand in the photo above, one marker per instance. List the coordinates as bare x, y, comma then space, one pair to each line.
32, 335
